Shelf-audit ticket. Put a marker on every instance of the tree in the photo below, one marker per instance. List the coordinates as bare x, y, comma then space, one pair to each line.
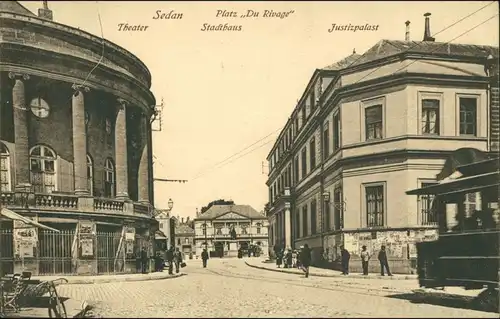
216, 202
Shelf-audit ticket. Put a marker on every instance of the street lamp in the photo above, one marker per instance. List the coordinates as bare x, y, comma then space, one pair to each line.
204, 225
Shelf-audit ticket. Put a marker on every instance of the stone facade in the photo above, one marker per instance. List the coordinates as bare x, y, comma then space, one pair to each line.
350, 190
71, 142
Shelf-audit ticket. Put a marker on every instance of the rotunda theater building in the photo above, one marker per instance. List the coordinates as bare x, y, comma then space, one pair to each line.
75, 146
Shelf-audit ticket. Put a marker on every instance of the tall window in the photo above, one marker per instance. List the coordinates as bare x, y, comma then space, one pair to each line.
297, 223
304, 162
468, 116
296, 126
304, 118
259, 226
430, 116
218, 229
313, 217
186, 241
470, 203
4, 168
43, 169
109, 179
336, 132
326, 208
326, 141
339, 209
373, 122
427, 213
312, 153
304, 221
90, 175
375, 205
296, 170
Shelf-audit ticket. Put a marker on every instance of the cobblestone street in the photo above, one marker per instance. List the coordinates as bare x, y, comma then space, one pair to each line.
229, 288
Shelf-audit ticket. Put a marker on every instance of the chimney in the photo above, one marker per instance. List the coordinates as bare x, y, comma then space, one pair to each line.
182, 220
427, 32
197, 213
45, 12
407, 33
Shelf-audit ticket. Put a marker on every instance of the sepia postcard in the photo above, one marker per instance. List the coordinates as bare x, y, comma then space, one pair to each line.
267, 159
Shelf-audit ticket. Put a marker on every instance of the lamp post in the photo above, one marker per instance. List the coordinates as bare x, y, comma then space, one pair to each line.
204, 225
339, 205
170, 205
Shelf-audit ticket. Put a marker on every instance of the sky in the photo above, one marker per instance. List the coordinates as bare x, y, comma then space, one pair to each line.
228, 91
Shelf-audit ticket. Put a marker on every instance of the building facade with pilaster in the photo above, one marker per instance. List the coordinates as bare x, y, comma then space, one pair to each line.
367, 129
75, 146
213, 230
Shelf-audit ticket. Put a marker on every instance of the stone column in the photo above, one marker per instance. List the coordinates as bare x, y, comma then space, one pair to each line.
21, 136
143, 176
79, 139
121, 154
288, 226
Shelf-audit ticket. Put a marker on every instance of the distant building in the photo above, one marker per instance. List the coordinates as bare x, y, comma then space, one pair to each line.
167, 225
367, 129
213, 230
184, 236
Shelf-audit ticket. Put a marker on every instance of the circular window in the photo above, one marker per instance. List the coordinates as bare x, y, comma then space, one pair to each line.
39, 107
87, 118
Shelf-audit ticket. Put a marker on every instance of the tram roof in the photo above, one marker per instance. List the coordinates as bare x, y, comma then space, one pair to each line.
463, 184
480, 167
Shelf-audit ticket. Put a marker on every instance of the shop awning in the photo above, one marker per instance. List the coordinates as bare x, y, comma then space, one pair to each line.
458, 185
15, 216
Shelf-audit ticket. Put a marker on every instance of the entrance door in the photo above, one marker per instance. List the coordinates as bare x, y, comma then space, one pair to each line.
219, 249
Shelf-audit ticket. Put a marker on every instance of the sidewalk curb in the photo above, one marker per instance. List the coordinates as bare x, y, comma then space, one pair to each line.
296, 272
97, 280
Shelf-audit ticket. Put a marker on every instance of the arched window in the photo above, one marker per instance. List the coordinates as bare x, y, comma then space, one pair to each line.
109, 179
90, 175
4, 168
43, 169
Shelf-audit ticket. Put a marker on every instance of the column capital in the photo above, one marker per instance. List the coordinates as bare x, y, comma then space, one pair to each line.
19, 76
122, 103
80, 88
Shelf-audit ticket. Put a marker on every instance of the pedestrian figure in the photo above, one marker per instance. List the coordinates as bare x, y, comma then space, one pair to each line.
382, 257
305, 259
294, 258
289, 259
279, 258
144, 260
177, 260
365, 257
298, 263
170, 260
204, 257
345, 257
249, 252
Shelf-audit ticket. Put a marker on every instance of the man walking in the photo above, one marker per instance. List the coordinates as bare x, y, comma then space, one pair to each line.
204, 257
170, 260
345, 257
365, 257
177, 259
382, 257
305, 259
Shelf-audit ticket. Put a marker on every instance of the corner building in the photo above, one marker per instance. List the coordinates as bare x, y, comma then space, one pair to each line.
367, 129
75, 147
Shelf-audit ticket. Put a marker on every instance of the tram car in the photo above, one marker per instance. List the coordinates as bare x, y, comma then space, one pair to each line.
465, 204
